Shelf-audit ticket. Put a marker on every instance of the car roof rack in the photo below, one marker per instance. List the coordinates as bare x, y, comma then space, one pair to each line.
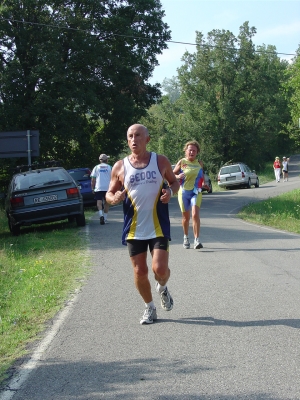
232, 163
36, 165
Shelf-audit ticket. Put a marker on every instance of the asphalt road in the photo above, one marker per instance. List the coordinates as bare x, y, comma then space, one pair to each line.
234, 332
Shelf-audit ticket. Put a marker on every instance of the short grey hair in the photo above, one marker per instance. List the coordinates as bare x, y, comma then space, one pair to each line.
140, 126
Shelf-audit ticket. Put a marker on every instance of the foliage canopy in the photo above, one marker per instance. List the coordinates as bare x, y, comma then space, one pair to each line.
77, 71
231, 100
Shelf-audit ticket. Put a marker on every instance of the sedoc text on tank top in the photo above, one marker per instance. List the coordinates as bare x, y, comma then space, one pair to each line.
145, 216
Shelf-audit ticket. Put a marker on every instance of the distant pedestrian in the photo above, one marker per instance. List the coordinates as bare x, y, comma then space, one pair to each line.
277, 168
285, 169
100, 182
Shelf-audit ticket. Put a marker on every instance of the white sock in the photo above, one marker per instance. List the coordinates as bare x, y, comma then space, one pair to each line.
151, 304
185, 236
160, 288
100, 213
105, 215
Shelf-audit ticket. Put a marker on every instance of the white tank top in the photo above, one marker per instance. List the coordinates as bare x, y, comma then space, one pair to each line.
145, 216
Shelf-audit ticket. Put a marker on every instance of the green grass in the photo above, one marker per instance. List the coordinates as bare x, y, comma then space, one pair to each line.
38, 271
267, 174
281, 212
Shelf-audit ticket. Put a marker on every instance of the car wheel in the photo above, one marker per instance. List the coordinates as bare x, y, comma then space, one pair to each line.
249, 184
80, 220
14, 229
257, 183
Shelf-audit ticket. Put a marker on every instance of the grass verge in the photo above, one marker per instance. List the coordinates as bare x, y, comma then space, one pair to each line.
281, 212
38, 271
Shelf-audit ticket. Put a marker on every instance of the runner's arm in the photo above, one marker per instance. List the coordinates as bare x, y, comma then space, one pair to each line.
115, 194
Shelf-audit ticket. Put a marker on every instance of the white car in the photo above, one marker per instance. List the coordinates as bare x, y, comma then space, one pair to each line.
237, 174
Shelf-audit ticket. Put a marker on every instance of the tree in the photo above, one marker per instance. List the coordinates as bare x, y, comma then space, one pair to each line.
232, 92
292, 91
78, 71
168, 127
171, 87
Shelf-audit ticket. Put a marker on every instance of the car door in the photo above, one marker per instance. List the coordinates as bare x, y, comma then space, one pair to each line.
251, 175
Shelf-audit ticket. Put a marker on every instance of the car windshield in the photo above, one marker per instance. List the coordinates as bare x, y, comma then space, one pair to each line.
230, 169
39, 178
82, 175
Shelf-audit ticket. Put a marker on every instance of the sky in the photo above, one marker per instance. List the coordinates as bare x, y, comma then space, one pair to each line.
277, 23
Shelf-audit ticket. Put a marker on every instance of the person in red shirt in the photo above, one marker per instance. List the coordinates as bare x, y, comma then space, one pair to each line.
277, 168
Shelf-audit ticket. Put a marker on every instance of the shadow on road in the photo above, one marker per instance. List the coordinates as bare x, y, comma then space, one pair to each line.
292, 323
130, 379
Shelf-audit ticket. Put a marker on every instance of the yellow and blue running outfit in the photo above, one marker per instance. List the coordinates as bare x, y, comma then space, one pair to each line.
190, 186
145, 216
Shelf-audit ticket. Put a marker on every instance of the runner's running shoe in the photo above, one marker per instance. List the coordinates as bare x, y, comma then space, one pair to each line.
102, 222
149, 316
166, 299
186, 243
197, 244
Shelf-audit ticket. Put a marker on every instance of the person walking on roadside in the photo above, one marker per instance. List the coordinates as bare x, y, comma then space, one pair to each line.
277, 168
100, 181
190, 173
139, 181
285, 169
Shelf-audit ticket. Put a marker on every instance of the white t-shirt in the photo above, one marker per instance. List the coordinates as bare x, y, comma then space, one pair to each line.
285, 165
101, 173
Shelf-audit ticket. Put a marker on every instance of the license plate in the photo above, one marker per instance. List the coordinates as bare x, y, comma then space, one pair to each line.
44, 199
231, 178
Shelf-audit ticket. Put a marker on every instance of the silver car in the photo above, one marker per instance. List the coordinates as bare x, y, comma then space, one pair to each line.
237, 174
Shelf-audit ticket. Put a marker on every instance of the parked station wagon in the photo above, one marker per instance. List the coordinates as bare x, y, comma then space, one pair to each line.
237, 174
